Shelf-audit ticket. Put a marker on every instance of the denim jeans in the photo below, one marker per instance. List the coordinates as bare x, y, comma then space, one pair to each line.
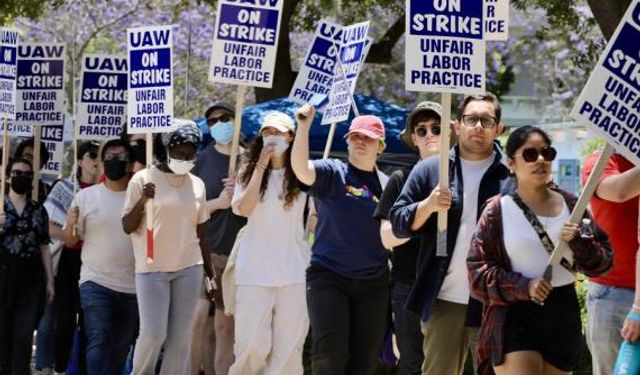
407, 329
607, 308
348, 318
110, 319
44, 339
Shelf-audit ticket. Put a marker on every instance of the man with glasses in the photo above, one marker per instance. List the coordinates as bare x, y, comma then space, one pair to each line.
421, 135
440, 294
107, 284
223, 225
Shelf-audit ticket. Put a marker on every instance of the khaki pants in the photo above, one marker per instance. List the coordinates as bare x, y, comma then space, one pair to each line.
446, 339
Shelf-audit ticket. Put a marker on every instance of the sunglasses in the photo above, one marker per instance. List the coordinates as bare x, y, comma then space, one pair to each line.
531, 155
422, 131
91, 154
223, 118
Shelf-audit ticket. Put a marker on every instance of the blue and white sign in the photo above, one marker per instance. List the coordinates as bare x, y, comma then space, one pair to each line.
245, 42
496, 20
610, 102
102, 110
8, 72
40, 87
52, 137
150, 84
353, 50
316, 72
445, 50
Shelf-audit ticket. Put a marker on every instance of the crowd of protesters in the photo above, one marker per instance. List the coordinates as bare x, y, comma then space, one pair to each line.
235, 284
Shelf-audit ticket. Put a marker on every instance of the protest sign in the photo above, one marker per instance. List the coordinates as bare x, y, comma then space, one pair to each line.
496, 20
40, 87
150, 83
103, 97
316, 73
445, 50
8, 72
52, 137
352, 50
245, 42
610, 102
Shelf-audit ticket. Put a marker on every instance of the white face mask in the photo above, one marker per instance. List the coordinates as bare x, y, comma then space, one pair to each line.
279, 141
180, 166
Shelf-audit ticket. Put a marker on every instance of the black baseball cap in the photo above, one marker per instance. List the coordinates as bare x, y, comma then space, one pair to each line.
220, 105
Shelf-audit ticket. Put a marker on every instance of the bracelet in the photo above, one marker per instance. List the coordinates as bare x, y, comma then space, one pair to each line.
261, 167
634, 316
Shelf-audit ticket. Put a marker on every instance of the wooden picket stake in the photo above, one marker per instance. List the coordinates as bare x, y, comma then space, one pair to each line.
148, 206
445, 130
327, 146
235, 143
581, 206
37, 132
5, 161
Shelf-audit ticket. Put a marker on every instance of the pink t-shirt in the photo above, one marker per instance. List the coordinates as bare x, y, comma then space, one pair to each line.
178, 207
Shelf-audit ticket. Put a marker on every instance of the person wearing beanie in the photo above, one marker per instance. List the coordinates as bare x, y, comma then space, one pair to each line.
271, 307
168, 286
348, 279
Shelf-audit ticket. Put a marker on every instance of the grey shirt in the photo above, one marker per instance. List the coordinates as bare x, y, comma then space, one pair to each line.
223, 225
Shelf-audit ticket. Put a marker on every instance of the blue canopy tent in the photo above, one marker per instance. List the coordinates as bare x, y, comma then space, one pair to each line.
393, 116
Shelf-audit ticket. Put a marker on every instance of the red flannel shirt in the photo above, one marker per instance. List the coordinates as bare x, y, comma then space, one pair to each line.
494, 283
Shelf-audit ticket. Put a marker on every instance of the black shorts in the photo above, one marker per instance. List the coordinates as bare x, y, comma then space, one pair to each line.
553, 330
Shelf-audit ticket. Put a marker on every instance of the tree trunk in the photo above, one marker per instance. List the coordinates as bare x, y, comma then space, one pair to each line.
608, 14
283, 76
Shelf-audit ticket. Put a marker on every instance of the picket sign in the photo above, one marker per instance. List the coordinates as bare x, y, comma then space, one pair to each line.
9, 39
245, 45
445, 134
150, 95
609, 104
37, 136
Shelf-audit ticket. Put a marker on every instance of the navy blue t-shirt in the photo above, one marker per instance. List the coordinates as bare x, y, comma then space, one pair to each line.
347, 238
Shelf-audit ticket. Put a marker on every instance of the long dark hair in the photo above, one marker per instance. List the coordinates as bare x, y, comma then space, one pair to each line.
290, 184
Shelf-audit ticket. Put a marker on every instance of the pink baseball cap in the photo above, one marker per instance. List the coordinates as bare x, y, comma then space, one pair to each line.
368, 125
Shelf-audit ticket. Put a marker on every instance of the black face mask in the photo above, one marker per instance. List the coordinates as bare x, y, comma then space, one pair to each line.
115, 169
21, 184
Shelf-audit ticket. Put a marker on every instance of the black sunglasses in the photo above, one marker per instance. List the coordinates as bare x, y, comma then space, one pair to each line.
422, 131
223, 118
531, 155
18, 173
92, 154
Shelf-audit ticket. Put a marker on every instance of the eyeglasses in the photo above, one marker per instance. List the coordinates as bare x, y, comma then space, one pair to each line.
422, 130
223, 118
120, 157
92, 154
531, 155
18, 173
487, 122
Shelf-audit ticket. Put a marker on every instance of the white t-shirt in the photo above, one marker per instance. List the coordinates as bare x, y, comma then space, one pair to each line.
456, 284
272, 250
523, 244
178, 207
107, 252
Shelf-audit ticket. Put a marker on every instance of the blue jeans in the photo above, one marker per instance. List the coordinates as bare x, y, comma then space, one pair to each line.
407, 329
607, 308
111, 319
44, 339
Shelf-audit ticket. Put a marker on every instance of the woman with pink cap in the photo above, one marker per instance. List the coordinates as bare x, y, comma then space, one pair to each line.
271, 308
348, 280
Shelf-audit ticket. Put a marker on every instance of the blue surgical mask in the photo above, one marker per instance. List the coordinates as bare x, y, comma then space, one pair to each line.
222, 132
